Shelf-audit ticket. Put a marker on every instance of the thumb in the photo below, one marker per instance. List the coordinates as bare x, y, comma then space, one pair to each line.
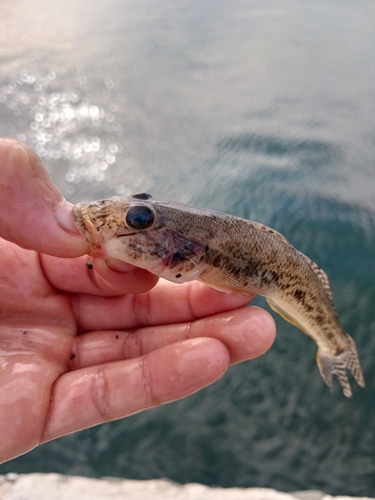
33, 212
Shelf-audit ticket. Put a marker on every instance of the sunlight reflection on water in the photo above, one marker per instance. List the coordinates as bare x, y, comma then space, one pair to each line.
63, 125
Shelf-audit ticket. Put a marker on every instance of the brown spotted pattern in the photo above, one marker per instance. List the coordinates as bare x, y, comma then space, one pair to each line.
230, 254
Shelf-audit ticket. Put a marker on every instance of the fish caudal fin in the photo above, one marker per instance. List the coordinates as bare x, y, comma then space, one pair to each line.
348, 359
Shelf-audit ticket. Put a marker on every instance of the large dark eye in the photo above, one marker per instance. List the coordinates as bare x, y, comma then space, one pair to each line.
140, 217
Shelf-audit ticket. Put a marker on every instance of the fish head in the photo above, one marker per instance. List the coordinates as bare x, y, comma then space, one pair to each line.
148, 234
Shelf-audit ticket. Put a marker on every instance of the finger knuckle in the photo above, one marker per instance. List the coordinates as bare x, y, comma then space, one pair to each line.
100, 394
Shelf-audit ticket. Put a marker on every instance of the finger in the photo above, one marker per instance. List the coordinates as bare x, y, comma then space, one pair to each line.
88, 275
247, 333
33, 212
91, 396
166, 303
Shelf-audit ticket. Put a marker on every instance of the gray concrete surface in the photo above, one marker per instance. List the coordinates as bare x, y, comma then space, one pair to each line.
59, 487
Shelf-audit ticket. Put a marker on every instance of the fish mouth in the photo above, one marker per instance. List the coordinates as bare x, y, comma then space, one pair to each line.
81, 218
119, 234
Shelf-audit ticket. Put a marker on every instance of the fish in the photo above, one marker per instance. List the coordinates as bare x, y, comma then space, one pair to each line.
182, 243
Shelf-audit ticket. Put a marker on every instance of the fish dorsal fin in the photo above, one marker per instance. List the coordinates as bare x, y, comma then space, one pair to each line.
323, 278
268, 230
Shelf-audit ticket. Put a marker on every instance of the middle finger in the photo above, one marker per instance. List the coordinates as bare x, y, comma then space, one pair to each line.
246, 333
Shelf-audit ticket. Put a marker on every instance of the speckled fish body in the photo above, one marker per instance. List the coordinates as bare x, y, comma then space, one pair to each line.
183, 243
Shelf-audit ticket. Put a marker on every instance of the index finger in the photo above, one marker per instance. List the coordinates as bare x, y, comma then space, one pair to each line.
166, 303
92, 276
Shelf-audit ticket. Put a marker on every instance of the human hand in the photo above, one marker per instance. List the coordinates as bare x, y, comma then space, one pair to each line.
79, 347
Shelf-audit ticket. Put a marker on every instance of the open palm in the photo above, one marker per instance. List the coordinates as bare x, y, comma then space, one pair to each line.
82, 346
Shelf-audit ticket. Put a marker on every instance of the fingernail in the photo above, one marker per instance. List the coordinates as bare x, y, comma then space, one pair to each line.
119, 265
64, 218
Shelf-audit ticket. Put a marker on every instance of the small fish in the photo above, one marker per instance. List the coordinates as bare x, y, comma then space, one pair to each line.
183, 243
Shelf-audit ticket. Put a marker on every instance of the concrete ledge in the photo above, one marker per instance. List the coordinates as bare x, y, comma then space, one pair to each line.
59, 487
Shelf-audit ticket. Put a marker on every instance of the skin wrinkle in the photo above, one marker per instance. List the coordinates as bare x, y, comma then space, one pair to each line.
50, 414
147, 384
133, 339
95, 277
189, 301
77, 349
75, 304
188, 329
100, 393
45, 275
141, 307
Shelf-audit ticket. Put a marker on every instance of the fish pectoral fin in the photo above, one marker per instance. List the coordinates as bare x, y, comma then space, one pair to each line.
337, 365
284, 315
223, 280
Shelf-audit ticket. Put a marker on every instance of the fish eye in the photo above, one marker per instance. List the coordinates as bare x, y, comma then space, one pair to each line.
139, 217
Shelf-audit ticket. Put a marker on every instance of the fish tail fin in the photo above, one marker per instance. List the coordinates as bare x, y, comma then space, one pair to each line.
338, 364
